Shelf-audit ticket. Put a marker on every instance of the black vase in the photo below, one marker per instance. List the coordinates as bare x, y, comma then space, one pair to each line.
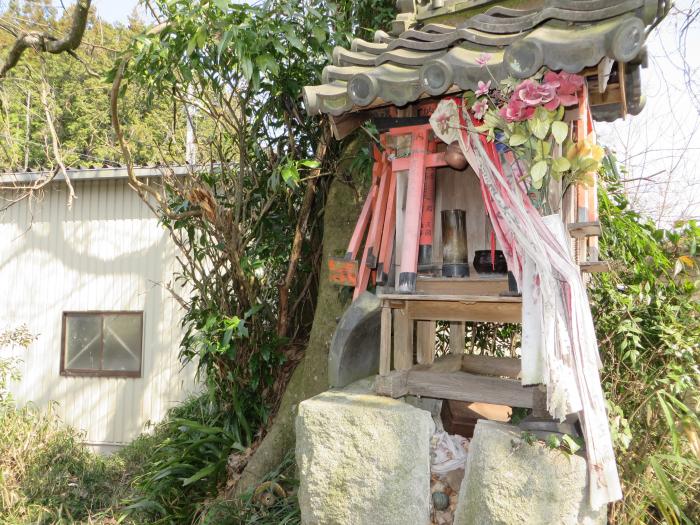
483, 264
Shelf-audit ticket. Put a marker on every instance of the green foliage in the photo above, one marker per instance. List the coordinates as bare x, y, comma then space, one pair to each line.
78, 96
274, 502
47, 476
648, 322
185, 463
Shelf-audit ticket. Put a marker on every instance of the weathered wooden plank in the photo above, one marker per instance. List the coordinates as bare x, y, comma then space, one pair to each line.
594, 266
457, 334
473, 285
406, 298
385, 341
393, 385
425, 341
403, 340
491, 366
445, 363
468, 387
584, 229
492, 312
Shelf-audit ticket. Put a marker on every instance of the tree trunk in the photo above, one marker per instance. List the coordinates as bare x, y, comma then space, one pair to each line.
311, 375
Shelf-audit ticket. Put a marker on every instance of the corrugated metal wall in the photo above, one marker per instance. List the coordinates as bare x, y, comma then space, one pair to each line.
105, 253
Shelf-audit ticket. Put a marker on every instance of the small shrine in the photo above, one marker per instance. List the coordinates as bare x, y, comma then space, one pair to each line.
483, 200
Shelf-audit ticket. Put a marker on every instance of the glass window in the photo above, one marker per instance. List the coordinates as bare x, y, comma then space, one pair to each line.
102, 343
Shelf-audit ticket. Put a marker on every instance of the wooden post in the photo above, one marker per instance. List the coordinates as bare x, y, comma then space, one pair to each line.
414, 200
385, 341
375, 227
425, 342
425, 248
387, 245
457, 334
403, 340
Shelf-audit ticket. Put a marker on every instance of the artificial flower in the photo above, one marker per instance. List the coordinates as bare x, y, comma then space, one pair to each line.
516, 111
483, 59
568, 84
533, 94
482, 88
479, 108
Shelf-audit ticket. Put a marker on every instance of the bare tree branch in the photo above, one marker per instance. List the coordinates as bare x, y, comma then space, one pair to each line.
47, 43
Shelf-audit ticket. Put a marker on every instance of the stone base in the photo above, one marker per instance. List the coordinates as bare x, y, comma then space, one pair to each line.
510, 482
363, 459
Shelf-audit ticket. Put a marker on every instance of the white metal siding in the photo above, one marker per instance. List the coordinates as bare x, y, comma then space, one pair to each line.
107, 252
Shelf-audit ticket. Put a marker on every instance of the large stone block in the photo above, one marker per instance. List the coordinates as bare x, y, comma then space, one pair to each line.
510, 482
363, 459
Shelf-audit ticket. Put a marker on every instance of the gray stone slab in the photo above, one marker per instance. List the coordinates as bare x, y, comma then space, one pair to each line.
510, 482
363, 459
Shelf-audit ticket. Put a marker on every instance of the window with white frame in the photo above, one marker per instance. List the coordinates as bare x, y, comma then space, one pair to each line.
105, 344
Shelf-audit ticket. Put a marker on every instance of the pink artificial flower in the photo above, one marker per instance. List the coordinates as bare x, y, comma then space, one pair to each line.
517, 111
483, 88
479, 108
568, 84
534, 94
483, 59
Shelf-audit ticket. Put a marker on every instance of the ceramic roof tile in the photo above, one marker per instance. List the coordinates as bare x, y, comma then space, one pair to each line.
438, 58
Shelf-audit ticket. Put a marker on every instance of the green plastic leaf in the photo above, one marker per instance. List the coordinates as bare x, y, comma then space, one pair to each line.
517, 140
537, 172
560, 130
561, 164
539, 128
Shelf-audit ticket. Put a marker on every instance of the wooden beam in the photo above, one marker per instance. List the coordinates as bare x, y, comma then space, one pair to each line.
492, 366
403, 340
385, 341
432, 160
492, 312
462, 286
392, 385
594, 266
462, 386
445, 363
584, 229
425, 341
457, 334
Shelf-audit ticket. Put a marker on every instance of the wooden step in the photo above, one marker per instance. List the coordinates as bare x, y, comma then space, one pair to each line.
594, 266
580, 230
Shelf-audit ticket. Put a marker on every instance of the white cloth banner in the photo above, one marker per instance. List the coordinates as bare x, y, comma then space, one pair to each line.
559, 344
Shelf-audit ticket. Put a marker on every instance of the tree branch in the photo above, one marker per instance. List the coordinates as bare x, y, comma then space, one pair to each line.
44, 42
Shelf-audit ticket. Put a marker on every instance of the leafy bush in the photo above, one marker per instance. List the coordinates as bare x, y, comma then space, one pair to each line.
47, 475
648, 322
184, 464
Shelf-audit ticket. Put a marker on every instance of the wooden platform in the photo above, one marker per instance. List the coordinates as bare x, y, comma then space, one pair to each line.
452, 377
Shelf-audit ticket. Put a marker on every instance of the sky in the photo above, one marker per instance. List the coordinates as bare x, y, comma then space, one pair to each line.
661, 146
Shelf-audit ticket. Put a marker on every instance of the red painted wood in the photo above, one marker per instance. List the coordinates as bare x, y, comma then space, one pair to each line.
374, 235
387, 246
428, 206
362, 223
414, 199
432, 160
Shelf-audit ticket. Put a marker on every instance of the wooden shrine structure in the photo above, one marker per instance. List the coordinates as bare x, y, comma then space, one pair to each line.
432, 52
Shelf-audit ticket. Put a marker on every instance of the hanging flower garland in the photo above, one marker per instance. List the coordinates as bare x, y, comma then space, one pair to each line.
527, 117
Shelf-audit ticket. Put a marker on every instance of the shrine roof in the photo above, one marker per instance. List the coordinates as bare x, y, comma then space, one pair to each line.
435, 49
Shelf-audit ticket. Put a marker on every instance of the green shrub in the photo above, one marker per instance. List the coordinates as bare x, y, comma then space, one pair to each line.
648, 321
47, 475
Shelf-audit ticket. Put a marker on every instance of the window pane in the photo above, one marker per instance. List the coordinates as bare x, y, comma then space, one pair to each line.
122, 342
83, 342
